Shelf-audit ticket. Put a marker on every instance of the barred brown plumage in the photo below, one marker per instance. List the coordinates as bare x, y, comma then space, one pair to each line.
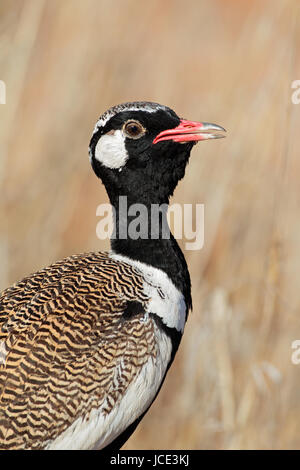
67, 347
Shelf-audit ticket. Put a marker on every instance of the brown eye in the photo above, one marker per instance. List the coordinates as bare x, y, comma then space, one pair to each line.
134, 129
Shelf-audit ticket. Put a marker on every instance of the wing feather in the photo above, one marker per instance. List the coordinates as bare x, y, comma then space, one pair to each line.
65, 347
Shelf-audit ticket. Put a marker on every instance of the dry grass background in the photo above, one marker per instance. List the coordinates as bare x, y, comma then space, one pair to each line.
233, 384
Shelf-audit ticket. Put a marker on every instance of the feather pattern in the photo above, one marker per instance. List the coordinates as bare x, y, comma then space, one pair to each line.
68, 352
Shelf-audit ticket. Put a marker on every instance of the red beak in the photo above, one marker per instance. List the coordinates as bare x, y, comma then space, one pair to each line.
190, 131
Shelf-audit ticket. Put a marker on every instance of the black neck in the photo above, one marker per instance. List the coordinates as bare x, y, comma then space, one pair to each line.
145, 236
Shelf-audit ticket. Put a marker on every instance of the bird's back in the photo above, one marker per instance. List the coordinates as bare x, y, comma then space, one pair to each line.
80, 357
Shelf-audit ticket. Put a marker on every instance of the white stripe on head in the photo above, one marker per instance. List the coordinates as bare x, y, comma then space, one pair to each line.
110, 150
135, 106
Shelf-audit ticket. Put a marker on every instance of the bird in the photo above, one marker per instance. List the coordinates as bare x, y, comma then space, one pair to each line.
86, 343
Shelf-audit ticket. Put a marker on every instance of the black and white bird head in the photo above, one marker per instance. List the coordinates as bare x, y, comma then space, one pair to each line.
137, 148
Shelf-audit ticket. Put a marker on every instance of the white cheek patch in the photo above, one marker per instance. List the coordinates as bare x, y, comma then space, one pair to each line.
110, 150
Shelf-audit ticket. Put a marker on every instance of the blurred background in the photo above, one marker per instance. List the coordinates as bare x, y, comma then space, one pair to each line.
233, 384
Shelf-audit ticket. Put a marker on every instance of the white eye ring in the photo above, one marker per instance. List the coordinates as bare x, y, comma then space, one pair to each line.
133, 129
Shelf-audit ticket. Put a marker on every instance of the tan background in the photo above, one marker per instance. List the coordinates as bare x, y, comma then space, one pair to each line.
64, 62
